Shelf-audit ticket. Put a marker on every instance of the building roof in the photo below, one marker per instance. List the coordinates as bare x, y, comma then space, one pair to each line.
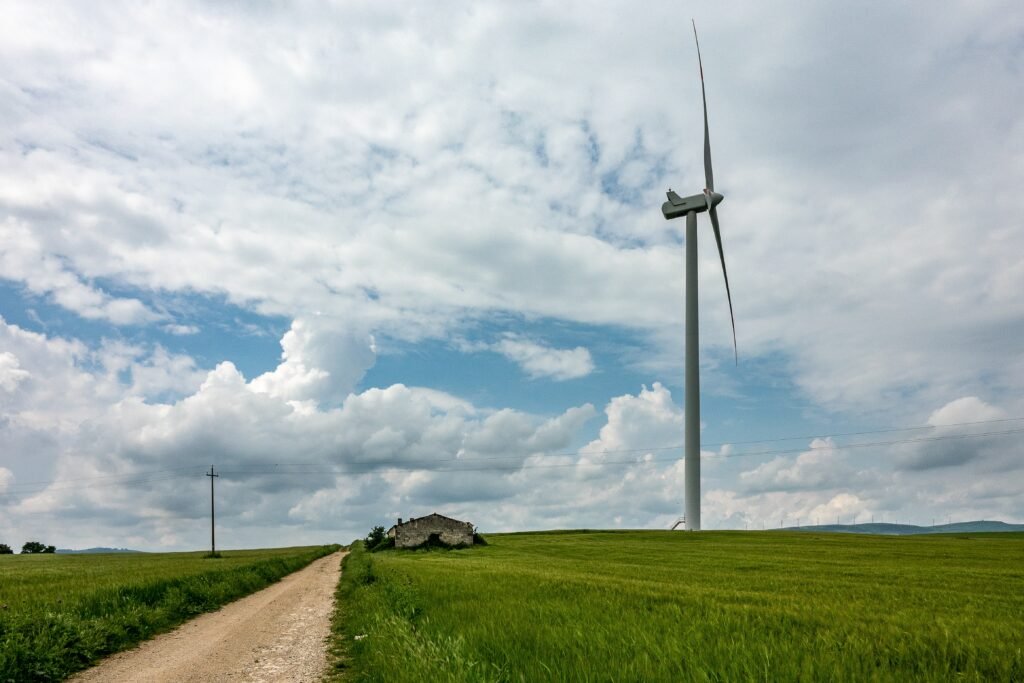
432, 514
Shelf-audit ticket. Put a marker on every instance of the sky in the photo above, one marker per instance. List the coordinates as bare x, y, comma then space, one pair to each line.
376, 260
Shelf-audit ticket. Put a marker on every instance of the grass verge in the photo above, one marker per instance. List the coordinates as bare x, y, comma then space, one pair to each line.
61, 613
714, 606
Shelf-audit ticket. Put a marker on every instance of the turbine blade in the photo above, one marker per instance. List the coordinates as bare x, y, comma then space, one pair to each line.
713, 212
709, 177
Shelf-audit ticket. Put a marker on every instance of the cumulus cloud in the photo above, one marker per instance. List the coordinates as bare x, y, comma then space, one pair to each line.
296, 470
956, 442
283, 458
321, 361
11, 374
820, 468
651, 419
287, 464
965, 410
769, 510
956, 470
538, 360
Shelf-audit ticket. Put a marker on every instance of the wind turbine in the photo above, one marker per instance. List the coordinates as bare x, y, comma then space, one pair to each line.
675, 207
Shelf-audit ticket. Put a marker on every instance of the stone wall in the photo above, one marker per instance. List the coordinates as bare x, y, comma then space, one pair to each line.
416, 531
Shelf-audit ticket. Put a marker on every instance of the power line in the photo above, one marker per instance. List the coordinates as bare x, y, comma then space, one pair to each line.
73, 484
166, 474
865, 432
783, 451
351, 468
677, 447
100, 477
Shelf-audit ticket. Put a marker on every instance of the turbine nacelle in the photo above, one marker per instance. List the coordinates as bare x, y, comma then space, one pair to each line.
677, 206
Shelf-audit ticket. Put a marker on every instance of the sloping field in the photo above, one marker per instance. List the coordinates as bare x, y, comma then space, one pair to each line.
664, 606
58, 613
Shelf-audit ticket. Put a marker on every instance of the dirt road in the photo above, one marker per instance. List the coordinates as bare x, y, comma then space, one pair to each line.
277, 634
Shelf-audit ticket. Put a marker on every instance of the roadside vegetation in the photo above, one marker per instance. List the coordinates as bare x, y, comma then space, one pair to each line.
663, 606
61, 613
378, 540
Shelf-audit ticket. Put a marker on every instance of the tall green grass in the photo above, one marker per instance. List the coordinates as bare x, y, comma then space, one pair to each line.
709, 606
60, 613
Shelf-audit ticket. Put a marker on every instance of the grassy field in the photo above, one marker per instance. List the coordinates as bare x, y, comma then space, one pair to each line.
59, 613
709, 606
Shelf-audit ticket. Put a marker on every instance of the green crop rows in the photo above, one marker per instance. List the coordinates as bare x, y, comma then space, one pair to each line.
709, 606
59, 613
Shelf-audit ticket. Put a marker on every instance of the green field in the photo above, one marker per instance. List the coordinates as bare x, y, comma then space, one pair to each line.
663, 606
59, 613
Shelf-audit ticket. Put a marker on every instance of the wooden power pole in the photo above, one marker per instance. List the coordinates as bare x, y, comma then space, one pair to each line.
213, 543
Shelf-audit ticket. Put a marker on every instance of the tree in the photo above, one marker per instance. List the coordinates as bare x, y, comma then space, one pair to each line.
375, 537
51, 549
33, 547
5, 549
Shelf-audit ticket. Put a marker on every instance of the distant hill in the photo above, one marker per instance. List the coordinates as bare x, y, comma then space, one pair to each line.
911, 529
67, 551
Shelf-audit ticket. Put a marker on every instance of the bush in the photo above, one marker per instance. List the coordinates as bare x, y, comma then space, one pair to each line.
375, 537
5, 549
387, 544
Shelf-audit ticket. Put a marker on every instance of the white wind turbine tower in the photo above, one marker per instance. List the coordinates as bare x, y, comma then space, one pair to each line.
675, 207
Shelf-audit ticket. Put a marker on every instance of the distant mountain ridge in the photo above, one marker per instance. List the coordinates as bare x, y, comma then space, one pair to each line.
67, 551
912, 529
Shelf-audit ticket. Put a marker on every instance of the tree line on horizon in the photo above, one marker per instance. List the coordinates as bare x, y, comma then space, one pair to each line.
29, 548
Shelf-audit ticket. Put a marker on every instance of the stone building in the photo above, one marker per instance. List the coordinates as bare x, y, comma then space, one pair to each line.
418, 530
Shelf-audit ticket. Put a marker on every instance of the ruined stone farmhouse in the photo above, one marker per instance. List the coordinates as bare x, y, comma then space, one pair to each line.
418, 530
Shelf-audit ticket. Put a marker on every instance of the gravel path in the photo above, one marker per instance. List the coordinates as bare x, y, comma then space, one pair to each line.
277, 634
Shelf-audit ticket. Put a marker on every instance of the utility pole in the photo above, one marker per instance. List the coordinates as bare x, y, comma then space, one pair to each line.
213, 543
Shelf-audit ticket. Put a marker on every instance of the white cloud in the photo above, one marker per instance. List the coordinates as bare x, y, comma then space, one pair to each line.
11, 374
181, 330
538, 360
822, 467
25, 259
963, 410
771, 510
322, 361
420, 187
956, 442
648, 420
296, 471
288, 184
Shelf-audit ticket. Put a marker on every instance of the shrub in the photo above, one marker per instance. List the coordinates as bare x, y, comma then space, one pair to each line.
375, 537
387, 544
